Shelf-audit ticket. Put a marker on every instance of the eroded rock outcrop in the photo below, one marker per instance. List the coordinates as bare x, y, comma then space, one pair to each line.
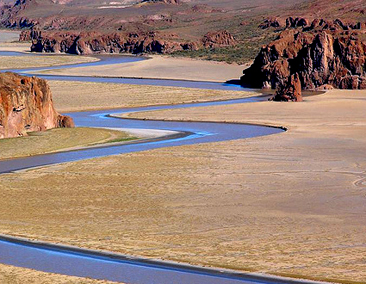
308, 24
290, 91
123, 42
162, 1
272, 22
218, 39
320, 57
89, 43
26, 105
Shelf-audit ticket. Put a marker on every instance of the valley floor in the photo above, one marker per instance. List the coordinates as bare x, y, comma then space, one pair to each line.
288, 204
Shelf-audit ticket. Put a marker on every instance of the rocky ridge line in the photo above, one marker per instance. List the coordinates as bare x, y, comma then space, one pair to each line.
135, 43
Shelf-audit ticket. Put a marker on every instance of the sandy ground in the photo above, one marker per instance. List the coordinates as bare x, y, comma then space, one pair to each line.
74, 96
9, 36
9, 62
15, 275
291, 204
163, 68
58, 139
9, 42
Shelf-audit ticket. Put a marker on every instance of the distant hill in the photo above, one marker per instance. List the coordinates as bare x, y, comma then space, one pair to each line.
248, 21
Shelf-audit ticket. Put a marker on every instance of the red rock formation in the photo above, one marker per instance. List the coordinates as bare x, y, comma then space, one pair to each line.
26, 105
319, 57
88, 43
307, 25
28, 35
291, 91
272, 22
162, 1
218, 39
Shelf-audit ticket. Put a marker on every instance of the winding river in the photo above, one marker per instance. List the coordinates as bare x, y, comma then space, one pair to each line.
111, 266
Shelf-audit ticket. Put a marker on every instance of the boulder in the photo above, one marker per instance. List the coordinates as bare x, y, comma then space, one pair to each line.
26, 105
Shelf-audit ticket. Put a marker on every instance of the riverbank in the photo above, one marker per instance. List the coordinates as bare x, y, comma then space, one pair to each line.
161, 67
22, 62
288, 204
77, 96
59, 139
15, 275
158, 66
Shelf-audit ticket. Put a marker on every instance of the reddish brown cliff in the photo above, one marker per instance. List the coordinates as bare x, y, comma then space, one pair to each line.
26, 105
320, 56
88, 43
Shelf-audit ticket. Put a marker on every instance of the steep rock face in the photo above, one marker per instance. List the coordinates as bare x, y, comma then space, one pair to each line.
26, 105
88, 43
319, 57
290, 91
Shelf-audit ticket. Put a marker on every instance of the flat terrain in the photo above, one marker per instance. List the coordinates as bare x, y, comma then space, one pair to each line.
162, 68
57, 139
15, 275
291, 204
16, 62
74, 96
8, 36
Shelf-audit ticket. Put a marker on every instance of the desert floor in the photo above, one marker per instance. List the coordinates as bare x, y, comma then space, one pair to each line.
76, 96
289, 204
162, 67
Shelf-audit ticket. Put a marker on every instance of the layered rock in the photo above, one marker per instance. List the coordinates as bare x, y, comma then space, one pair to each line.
320, 57
26, 105
122, 42
88, 43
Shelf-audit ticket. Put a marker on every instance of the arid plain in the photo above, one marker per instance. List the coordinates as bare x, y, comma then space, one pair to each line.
289, 204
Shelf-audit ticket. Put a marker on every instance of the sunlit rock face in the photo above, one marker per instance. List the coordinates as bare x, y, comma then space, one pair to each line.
26, 105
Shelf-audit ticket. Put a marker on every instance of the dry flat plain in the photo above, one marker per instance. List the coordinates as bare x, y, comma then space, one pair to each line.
58, 139
15, 275
162, 68
8, 62
76, 96
289, 204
